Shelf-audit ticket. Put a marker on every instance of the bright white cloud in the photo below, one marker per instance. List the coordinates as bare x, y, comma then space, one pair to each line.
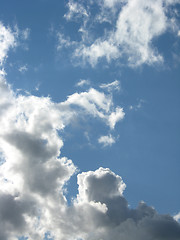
106, 140
7, 41
32, 172
134, 26
97, 104
33, 175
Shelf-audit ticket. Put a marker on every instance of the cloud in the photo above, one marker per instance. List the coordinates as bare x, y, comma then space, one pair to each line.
23, 69
33, 177
64, 42
34, 174
133, 27
138, 105
75, 9
98, 105
102, 212
7, 41
111, 86
106, 140
25, 33
82, 82
177, 217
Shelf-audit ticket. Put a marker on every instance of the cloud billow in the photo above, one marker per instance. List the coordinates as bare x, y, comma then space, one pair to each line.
33, 175
133, 25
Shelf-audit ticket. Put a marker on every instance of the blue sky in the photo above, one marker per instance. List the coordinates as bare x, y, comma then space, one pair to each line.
90, 92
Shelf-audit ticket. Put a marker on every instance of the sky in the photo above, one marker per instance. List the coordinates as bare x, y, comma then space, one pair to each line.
90, 120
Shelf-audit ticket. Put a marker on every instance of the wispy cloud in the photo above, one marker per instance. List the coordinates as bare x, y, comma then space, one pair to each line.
83, 82
138, 105
23, 69
75, 10
115, 85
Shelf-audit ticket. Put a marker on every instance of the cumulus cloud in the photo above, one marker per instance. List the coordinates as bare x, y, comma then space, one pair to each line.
7, 41
33, 175
134, 25
103, 212
106, 140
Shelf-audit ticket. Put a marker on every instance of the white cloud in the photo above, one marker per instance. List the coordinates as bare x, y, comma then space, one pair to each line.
33, 175
25, 33
138, 105
113, 3
97, 104
134, 24
23, 69
115, 85
177, 217
7, 41
64, 42
106, 140
82, 82
75, 9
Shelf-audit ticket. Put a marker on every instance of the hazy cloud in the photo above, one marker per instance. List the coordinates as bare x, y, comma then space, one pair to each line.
82, 82
115, 85
23, 69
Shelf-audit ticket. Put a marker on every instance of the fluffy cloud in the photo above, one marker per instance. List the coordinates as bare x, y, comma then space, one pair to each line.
33, 175
102, 212
97, 104
134, 25
7, 41
106, 140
